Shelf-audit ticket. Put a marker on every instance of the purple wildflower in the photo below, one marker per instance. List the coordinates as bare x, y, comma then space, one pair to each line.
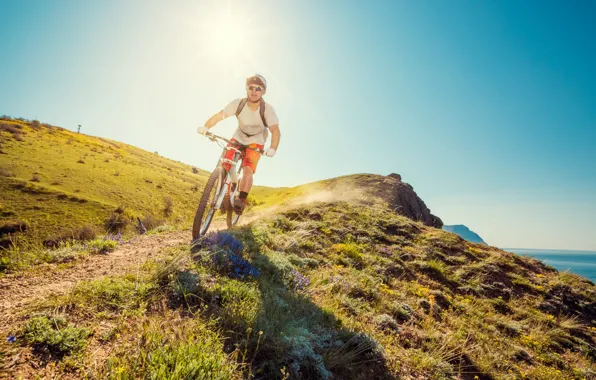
11, 339
299, 281
114, 237
226, 251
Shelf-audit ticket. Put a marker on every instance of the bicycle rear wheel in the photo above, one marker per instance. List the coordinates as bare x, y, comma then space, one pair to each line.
208, 204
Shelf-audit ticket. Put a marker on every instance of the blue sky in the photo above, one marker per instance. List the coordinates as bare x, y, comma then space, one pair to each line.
488, 108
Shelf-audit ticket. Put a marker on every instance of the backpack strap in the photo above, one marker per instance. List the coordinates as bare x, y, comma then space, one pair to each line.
261, 109
262, 112
241, 106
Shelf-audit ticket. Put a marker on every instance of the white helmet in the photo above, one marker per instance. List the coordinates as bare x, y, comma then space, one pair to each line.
258, 80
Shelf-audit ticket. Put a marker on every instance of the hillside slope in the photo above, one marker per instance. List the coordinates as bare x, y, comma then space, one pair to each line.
321, 291
53, 180
56, 185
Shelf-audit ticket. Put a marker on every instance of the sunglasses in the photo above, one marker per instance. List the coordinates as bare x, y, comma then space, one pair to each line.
254, 88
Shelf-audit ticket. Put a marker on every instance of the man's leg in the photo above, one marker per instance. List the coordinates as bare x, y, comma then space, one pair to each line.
245, 186
246, 182
249, 168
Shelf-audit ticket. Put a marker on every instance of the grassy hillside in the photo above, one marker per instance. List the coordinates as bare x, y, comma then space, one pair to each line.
319, 292
57, 185
53, 180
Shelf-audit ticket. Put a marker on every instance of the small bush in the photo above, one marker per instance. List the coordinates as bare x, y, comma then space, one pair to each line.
184, 284
168, 206
62, 252
83, 233
118, 220
34, 178
151, 221
12, 226
55, 334
99, 246
401, 311
195, 170
14, 129
6, 173
80, 161
386, 322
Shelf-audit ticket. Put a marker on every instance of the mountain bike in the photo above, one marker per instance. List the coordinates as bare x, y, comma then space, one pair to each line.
221, 189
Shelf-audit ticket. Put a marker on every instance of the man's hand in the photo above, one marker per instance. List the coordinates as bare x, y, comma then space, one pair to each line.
270, 152
202, 130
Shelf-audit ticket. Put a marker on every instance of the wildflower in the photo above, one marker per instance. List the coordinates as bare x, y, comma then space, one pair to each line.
11, 339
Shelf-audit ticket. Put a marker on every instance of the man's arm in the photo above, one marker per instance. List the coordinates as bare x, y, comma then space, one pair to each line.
275, 135
215, 119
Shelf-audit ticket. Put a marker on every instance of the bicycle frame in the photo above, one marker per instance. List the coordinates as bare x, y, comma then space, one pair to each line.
232, 174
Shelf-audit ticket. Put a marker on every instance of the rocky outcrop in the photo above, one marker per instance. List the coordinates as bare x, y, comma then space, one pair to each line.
403, 200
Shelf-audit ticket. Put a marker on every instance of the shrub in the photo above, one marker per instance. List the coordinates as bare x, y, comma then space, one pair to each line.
151, 221
184, 284
118, 220
99, 246
62, 252
55, 334
14, 129
34, 178
83, 233
12, 226
168, 206
401, 311
80, 161
304, 361
195, 170
385, 322
6, 173
359, 349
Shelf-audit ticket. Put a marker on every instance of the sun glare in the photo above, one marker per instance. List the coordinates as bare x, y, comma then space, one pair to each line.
226, 35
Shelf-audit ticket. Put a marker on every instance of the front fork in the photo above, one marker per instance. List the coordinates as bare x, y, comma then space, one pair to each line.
231, 179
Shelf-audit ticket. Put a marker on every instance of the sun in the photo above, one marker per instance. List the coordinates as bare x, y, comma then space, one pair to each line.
225, 34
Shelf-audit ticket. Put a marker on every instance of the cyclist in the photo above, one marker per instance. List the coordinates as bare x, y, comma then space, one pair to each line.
255, 117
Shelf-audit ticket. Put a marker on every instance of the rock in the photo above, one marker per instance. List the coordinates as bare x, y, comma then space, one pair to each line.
403, 200
395, 175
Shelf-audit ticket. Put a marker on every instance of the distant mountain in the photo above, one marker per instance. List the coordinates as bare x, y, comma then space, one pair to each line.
465, 233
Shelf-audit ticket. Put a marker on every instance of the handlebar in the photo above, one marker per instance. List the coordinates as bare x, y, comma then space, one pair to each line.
214, 137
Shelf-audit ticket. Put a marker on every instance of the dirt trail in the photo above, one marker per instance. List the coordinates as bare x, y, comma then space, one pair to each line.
24, 289
19, 291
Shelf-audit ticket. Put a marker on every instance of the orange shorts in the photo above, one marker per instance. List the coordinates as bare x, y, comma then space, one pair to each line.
249, 158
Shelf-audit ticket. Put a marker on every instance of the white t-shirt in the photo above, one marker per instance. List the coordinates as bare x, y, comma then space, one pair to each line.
249, 121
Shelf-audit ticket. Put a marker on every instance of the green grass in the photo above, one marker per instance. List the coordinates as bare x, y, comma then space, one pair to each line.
346, 289
68, 193
55, 334
182, 349
351, 318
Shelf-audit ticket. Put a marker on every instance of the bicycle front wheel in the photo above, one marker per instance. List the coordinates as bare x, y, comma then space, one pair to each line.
208, 204
232, 218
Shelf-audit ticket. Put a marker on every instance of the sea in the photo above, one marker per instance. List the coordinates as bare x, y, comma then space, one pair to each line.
582, 263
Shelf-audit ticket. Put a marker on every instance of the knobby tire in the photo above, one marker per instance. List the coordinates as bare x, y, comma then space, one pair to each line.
207, 199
